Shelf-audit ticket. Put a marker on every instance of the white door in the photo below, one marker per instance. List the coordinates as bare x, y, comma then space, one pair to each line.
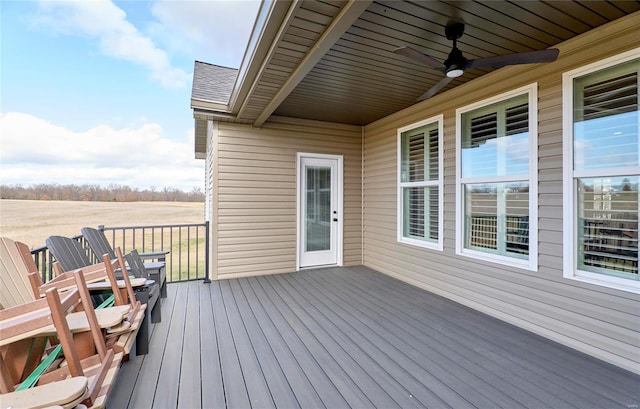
319, 210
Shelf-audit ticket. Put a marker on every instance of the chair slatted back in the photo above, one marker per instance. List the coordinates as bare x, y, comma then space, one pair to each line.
15, 288
98, 242
68, 253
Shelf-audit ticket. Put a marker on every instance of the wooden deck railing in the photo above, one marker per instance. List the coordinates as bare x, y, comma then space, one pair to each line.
188, 258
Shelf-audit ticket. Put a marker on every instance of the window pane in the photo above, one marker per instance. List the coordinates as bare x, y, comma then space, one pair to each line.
608, 225
420, 154
606, 118
481, 216
420, 211
517, 218
495, 139
497, 218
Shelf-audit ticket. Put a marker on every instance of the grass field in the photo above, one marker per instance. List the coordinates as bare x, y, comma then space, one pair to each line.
32, 221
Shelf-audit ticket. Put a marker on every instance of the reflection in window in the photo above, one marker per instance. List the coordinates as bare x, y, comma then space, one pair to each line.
606, 170
606, 120
495, 145
608, 225
497, 218
420, 185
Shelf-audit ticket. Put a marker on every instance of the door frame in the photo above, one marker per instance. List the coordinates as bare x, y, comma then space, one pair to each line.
339, 206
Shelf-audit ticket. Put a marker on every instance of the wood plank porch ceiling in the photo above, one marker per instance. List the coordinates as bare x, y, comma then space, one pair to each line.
360, 79
352, 337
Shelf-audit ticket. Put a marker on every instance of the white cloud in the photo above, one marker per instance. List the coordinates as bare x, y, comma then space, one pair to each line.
118, 38
212, 31
36, 151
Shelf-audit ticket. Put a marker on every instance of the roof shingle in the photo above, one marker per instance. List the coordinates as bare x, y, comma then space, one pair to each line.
213, 82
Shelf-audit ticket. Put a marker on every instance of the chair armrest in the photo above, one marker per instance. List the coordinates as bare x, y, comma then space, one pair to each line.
160, 254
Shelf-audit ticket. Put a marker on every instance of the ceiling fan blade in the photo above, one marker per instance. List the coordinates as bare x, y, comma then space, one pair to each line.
418, 56
435, 89
530, 57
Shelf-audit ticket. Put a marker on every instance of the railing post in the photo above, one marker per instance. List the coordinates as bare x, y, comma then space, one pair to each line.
207, 280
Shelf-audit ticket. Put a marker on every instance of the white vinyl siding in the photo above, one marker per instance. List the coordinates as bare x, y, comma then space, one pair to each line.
420, 184
497, 178
602, 138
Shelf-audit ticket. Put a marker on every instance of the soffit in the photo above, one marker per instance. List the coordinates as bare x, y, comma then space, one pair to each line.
303, 27
360, 79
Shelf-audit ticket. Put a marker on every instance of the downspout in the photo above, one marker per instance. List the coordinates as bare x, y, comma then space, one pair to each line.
362, 196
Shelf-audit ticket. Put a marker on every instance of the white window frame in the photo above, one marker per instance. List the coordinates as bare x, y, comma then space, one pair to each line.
570, 232
435, 245
531, 263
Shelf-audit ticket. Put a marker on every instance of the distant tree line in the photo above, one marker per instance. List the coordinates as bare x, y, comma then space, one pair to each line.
97, 193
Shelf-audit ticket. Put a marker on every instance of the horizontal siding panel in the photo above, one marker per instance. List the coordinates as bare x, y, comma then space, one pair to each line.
256, 227
249, 270
264, 234
229, 245
234, 154
238, 258
248, 164
282, 185
255, 218
259, 178
230, 172
253, 212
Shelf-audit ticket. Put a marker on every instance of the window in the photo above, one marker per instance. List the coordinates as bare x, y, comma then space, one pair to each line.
496, 192
602, 172
420, 184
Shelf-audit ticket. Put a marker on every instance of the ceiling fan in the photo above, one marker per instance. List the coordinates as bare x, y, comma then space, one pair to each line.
456, 63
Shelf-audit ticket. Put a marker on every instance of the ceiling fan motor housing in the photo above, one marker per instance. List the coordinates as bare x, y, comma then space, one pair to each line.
455, 63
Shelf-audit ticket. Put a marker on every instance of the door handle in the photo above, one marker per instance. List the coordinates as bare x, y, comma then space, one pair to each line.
335, 219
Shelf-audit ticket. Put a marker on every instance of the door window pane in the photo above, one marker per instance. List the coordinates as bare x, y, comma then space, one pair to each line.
318, 208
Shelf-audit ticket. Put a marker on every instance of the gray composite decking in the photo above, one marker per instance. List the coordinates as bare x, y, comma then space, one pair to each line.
352, 337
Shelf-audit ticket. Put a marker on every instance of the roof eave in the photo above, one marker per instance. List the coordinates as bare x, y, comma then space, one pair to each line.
269, 20
203, 104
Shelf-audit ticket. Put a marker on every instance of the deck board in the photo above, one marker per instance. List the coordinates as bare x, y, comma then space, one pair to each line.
167, 387
190, 389
519, 351
236, 393
515, 349
445, 348
427, 364
146, 383
211, 371
314, 339
294, 376
280, 391
352, 337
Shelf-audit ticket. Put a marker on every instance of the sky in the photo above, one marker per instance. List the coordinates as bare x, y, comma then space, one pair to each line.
98, 91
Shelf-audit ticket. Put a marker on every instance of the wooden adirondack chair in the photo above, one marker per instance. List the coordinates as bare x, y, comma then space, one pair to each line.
91, 378
21, 283
155, 270
102, 276
70, 253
